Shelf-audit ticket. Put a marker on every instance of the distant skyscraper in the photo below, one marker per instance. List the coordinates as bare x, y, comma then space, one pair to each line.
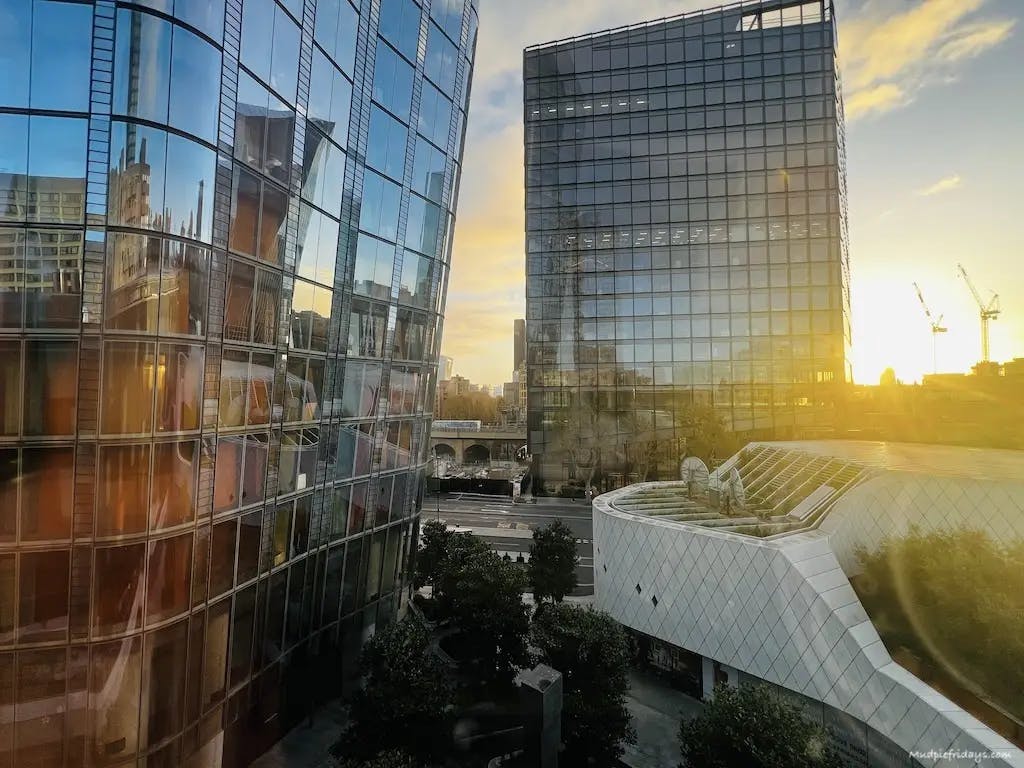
686, 233
519, 341
224, 233
445, 367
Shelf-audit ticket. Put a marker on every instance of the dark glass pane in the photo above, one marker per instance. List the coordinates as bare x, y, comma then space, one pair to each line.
242, 634
43, 596
170, 567
332, 588
255, 474
51, 367
249, 538
222, 557
123, 489
47, 484
229, 457
163, 686
282, 533
8, 603
215, 658
10, 387
39, 731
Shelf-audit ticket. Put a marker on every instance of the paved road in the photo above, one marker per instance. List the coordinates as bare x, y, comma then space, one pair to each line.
489, 518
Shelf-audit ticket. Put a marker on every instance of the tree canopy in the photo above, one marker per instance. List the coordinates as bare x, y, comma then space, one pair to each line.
592, 652
553, 559
435, 541
754, 727
403, 705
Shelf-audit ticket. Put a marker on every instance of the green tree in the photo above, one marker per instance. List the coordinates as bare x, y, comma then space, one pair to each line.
553, 559
592, 653
483, 596
754, 727
404, 704
705, 433
435, 541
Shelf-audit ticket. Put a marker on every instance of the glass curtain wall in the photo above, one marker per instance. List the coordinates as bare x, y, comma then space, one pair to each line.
686, 237
225, 233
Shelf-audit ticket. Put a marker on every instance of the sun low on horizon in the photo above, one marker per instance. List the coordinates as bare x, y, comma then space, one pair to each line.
932, 172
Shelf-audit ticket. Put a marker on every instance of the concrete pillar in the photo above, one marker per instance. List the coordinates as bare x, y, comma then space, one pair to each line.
540, 697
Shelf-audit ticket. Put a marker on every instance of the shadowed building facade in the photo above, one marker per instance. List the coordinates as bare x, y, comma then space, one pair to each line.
686, 235
225, 231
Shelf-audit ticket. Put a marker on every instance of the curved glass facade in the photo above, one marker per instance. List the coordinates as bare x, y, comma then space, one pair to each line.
686, 234
224, 240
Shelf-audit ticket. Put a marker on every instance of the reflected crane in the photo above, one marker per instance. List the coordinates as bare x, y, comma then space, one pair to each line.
936, 326
986, 312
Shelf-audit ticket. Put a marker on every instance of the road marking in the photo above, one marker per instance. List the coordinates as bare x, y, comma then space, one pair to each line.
552, 516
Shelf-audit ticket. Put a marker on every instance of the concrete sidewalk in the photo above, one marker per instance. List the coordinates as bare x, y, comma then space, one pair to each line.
657, 710
307, 747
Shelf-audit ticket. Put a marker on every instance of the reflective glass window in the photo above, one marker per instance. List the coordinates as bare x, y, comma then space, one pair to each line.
323, 169
13, 166
258, 215
335, 30
303, 384
174, 484
53, 277
47, 491
424, 227
138, 157
195, 86
15, 55
317, 249
118, 588
440, 63
243, 615
169, 572
435, 115
270, 45
428, 171
114, 690
188, 191
400, 25
215, 656
249, 539
386, 148
378, 212
330, 98
8, 609
311, 312
39, 728
448, 14
56, 169
163, 684
184, 284
12, 277
51, 371
123, 489
205, 15
392, 81
374, 267
142, 66
415, 288
60, 82
9, 474
179, 387
264, 127
43, 595
129, 373
222, 557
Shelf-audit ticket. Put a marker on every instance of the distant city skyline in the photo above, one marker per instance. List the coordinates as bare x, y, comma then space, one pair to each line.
922, 198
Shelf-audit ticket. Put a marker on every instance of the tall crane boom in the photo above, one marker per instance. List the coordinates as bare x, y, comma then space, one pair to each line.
936, 325
986, 312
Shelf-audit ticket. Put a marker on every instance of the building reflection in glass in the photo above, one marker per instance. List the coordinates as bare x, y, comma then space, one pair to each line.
205, 406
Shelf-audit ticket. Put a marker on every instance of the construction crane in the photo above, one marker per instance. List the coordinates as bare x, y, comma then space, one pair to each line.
936, 326
987, 312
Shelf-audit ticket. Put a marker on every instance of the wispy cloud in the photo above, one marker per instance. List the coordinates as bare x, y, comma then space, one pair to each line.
942, 185
887, 56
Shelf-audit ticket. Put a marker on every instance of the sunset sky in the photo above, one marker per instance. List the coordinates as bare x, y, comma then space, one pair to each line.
934, 95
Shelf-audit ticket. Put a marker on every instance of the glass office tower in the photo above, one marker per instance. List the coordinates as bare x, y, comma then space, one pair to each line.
224, 239
686, 236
